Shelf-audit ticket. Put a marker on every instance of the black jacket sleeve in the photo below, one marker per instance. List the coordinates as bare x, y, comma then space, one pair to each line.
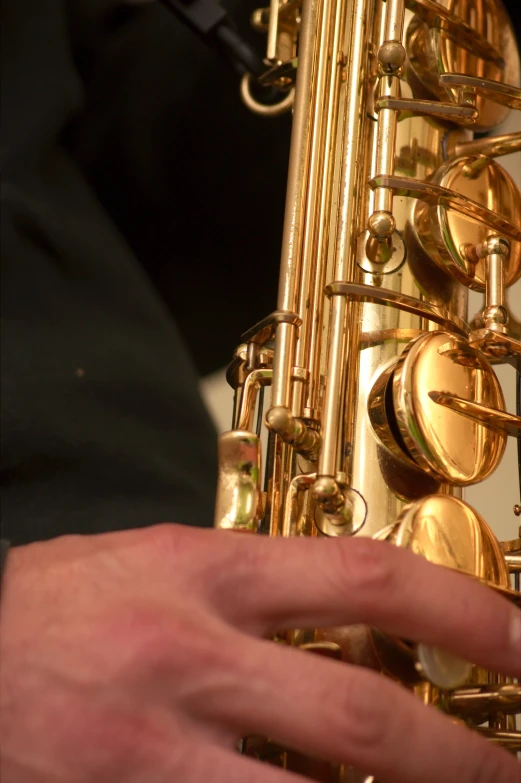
102, 423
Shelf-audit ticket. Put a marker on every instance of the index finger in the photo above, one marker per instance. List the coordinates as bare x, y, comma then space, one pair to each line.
305, 583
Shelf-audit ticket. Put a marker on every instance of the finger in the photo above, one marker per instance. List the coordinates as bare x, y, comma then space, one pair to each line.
303, 583
349, 715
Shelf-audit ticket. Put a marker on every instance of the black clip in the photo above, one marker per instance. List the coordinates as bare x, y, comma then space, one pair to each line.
212, 23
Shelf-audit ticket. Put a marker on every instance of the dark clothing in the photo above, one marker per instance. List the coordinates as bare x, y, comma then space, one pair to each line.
194, 181
102, 424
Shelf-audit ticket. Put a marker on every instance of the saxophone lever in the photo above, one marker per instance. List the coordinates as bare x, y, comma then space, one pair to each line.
496, 420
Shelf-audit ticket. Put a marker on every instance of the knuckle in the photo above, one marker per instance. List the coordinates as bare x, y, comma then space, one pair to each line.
181, 554
198, 644
139, 636
182, 646
166, 539
234, 564
363, 722
364, 568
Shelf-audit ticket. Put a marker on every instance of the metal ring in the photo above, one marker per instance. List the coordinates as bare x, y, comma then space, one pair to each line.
266, 110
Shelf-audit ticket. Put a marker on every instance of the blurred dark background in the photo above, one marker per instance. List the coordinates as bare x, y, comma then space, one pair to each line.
194, 181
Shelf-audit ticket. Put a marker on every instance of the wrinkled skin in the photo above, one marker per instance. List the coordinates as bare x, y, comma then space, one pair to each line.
141, 657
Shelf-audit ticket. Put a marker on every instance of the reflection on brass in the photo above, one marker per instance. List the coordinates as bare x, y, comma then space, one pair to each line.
490, 146
282, 106
345, 520
238, 489
293, 431
496, 252
371, 339
439, 15
450, 112
496, 420
380, 257
507, 739
264, 331
440, 196
253, 382
499, 92
409, 304
513, 546
514, 563
485, 699
326, 649
448, 532
383, 420
447, 70
450, 233
282, 23
496, 346
454, 448
293, 523
241, 364
282, 72
384, 403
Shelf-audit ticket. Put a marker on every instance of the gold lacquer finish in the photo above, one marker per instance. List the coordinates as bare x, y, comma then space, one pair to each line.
451, 239
435, 53
238, 491
447, 531
456, 449
384, 403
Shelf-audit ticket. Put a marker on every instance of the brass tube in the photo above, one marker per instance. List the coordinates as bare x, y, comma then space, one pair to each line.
295, 201
390, 54
322, 242
491, 147
246, 413
481, 23
514, 563
495, 293
283, 361
333, 400
298, 484
354, 134
383, 197
298, 162
309, 260
503, 697
276, 491
394, 20
273, 26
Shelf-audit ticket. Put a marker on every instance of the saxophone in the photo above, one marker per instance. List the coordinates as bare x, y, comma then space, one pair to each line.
373, 394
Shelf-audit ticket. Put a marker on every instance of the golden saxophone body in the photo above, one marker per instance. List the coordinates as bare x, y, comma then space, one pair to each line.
383, 403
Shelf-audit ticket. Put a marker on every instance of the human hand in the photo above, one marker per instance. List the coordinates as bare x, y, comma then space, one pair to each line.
141, 657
